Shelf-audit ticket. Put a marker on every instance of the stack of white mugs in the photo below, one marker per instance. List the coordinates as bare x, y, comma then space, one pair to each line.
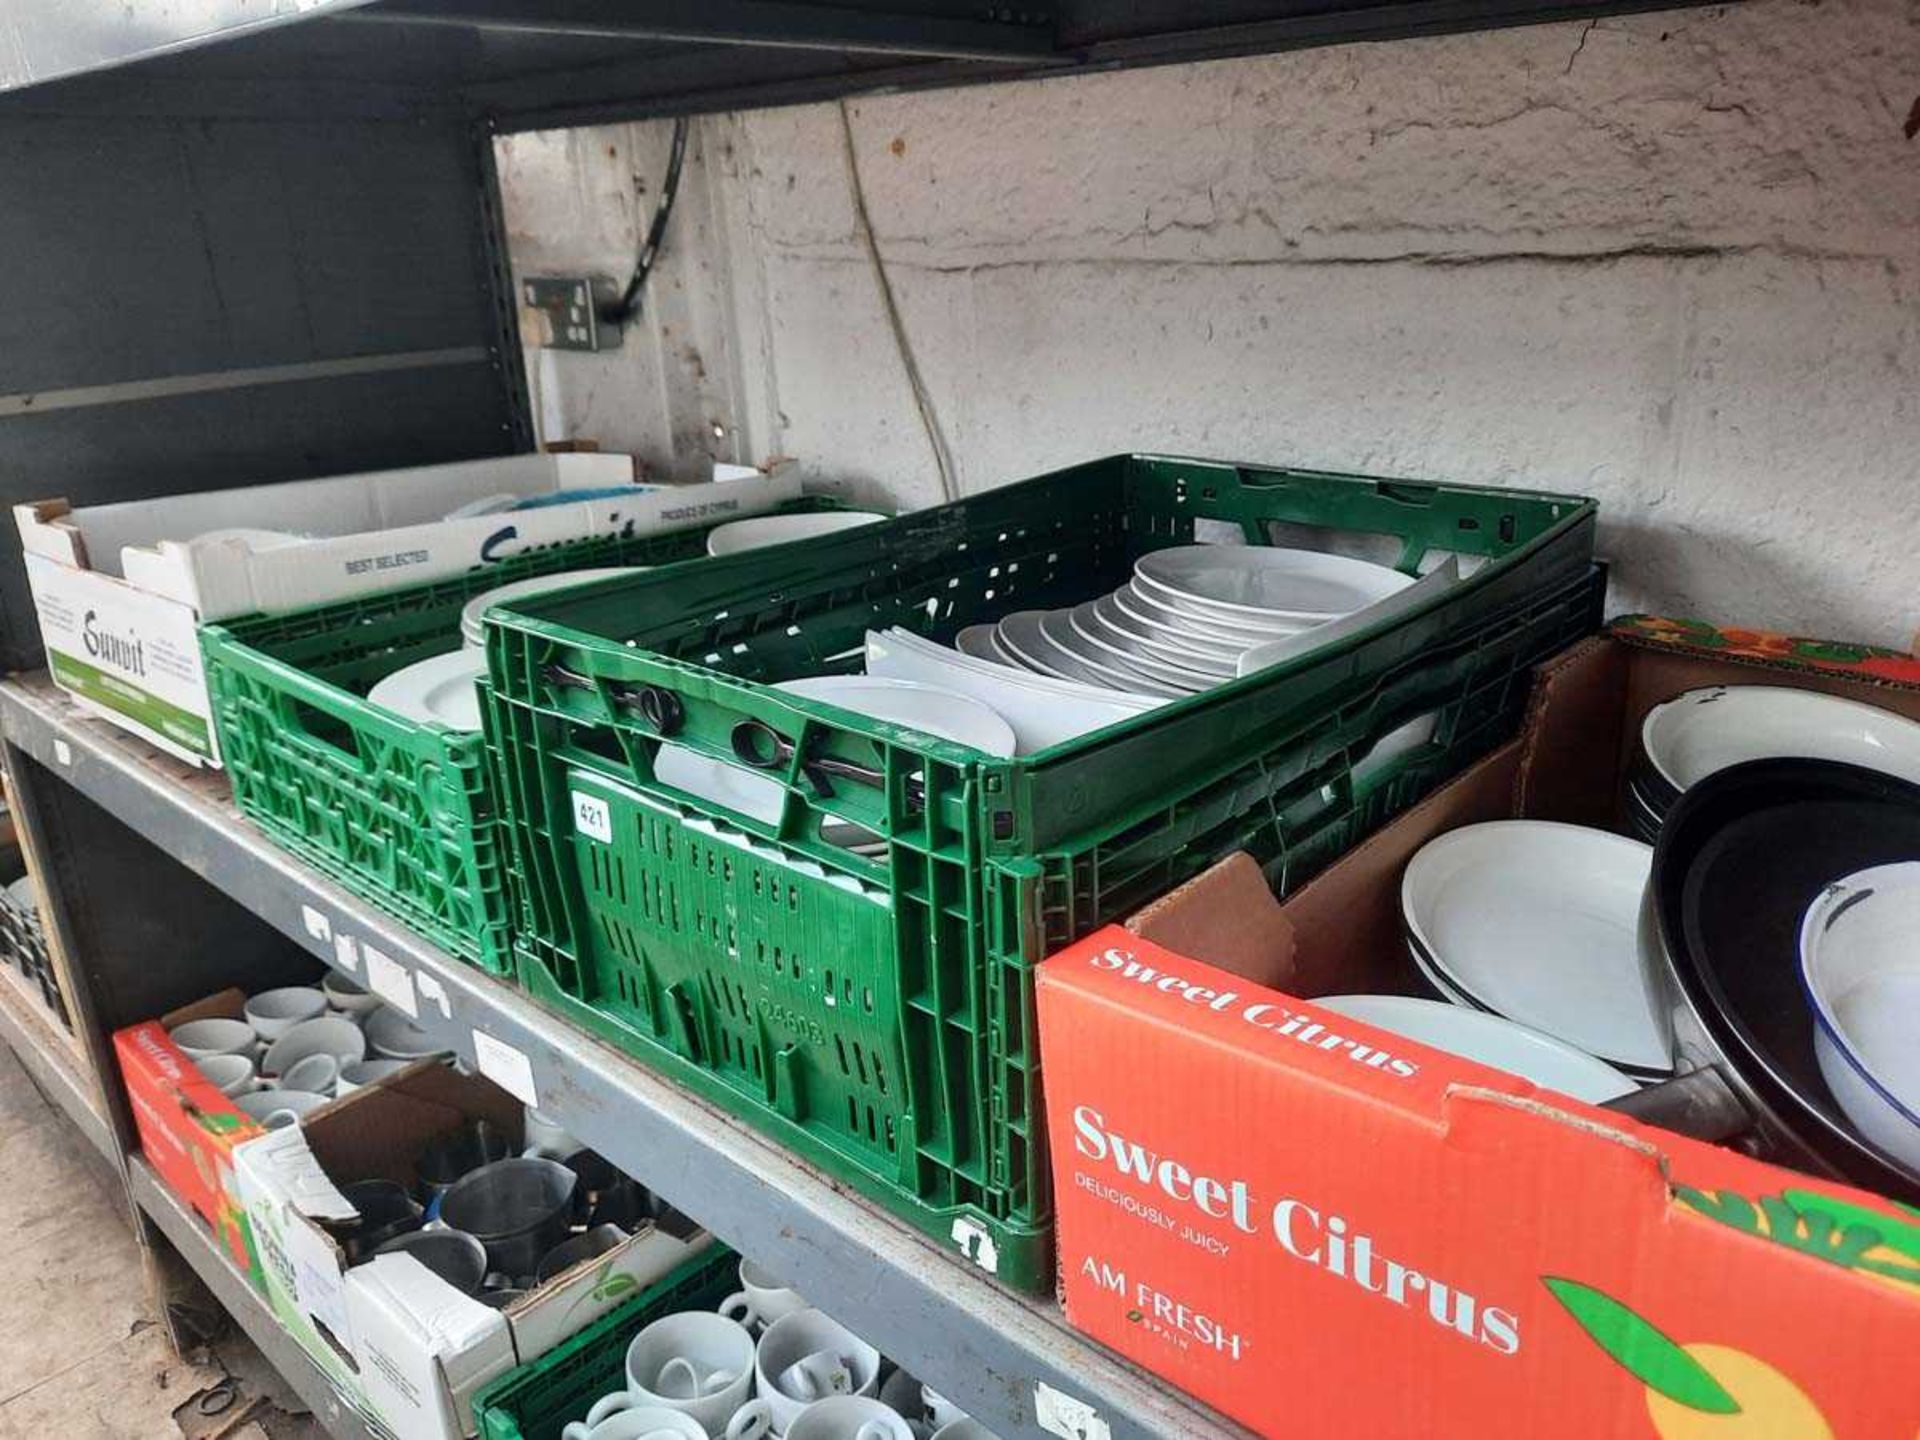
766, 1364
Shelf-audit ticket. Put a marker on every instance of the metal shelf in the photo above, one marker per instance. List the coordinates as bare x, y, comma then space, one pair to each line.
989, 1350
54, 1061
218, 1273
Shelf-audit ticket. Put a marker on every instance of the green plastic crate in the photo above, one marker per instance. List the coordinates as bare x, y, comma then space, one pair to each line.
536, 1400
876, 1015
398, 811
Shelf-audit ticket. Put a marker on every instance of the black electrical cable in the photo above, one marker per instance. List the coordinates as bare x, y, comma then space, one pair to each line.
629, 303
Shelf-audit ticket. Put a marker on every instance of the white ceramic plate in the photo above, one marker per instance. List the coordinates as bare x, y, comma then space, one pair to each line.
1860, 964
1490, 1040
1695, 734
1019, 635
1103, 667
932, 710
439, 690
978, 641
1539, 922
1128, 611
471, 629
764, 530
1266, 583
1077, 631
1144, 603
1173, 646
1042, 710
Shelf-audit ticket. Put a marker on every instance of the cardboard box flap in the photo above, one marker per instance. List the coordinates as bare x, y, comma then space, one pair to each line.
281, 1158
1226, 916
443, 1320
45, 529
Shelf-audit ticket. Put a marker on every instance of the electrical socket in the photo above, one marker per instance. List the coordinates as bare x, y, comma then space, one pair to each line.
566, 313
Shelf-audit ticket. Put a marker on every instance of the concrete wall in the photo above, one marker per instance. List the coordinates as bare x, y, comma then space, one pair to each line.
1670, 260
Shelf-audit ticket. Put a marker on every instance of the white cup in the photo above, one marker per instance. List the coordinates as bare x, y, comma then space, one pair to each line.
317, 1074
216, 1036
272, 1013
231, 1074
345, 996
761, 1298
645, 1422
277, 1109
333, 1035
366, 1072
806, 1343
849, 1417
941, 1411
698, 1363
547, 1137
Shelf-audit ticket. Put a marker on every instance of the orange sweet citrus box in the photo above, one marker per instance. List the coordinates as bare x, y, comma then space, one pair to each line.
1320, 1228
188, 1129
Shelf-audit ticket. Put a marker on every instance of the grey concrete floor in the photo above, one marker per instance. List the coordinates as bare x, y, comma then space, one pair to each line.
83, 1354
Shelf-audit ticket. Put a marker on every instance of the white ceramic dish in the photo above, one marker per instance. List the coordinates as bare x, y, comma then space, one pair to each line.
1539, 922
942, 713
1860, 964
231, 1074
1693, 735
437, 690
1166, 646
333, 1035
978, 641
198, 1039
1042, 710
472, 628
345, 996
272, 1013
1187, 647
1490, 1040
366, 1072
1113, 669
1144, 603
391, 1036
1110, 646
277, 1109
1314, 637
764, 530
1268, 584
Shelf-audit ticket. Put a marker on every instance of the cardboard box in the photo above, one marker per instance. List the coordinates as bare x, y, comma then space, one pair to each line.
188, 1129
399, 1343
1319, 1227
119, 589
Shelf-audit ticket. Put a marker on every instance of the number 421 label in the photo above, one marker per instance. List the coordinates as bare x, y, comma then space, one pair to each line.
591, 817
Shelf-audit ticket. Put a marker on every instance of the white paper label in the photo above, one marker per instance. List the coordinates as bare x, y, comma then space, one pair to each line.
1066, 1416
506, 1067
592, 818
318, 926
347, 951
62, 752
432, 992
392, 982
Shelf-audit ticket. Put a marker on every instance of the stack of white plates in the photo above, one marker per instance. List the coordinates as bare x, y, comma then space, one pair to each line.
437, 691
471, 614
1696, 734
1187, 618
1539, 922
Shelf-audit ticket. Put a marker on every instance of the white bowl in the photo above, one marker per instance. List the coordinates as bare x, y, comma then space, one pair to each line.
1490, 1040
317, 1074
1860, 964
231, 1074
216, 1036
345, 996
272, 1013
1539, 922
764, 530
394, 1037
333, 1035
1693, 735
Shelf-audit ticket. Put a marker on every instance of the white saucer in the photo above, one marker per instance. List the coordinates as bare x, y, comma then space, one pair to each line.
439, 690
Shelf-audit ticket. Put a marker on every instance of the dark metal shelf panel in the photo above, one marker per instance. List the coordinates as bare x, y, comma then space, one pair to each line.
992, 1352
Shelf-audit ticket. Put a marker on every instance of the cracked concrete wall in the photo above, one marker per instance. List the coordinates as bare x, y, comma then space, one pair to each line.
1670, 260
